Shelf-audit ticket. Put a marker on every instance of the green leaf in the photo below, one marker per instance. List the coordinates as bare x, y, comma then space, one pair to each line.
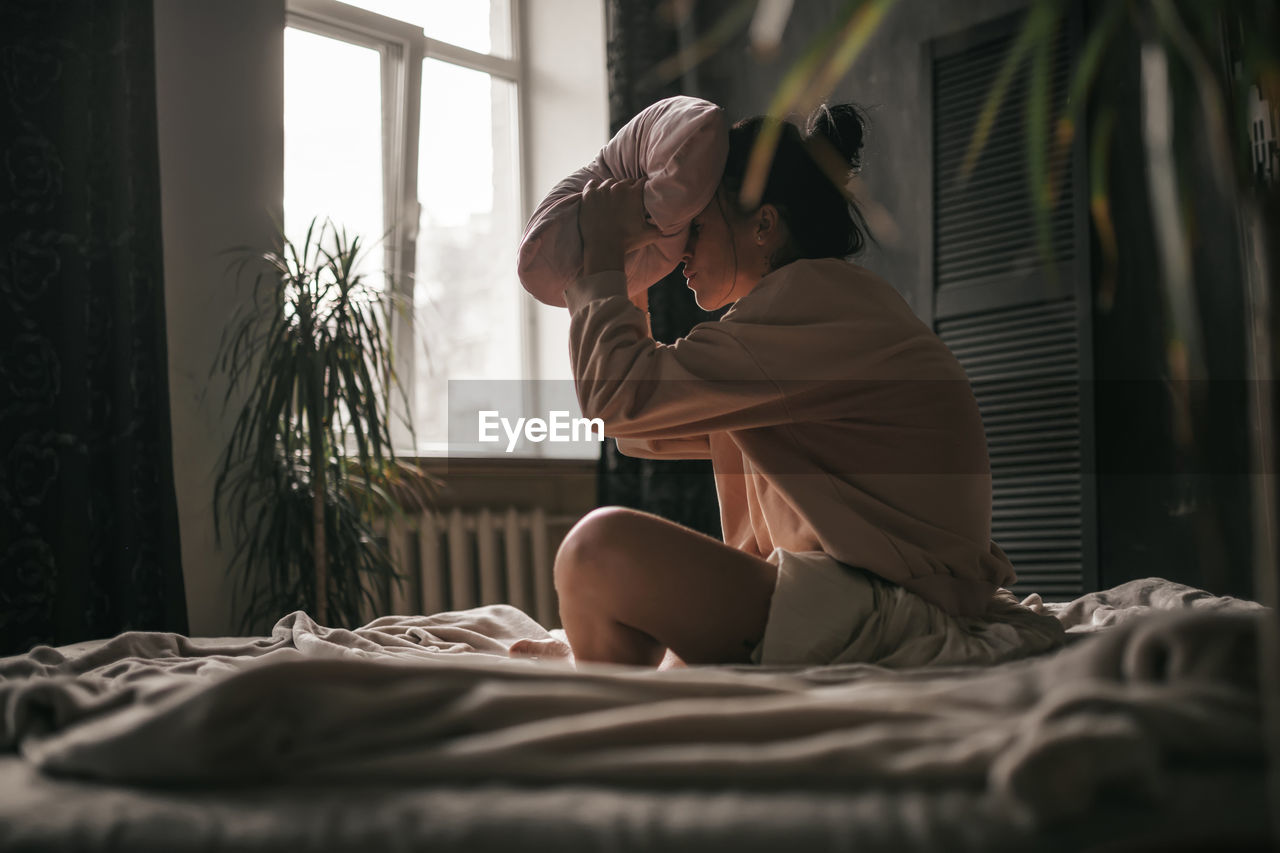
1031, 29
309, 362
1043, 17
1100, 205
809, 82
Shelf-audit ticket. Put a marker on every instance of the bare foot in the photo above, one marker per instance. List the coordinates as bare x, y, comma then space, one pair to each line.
541, 649
671, 661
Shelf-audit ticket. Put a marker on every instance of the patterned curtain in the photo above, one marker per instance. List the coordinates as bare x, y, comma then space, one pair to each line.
641, 35
88, 520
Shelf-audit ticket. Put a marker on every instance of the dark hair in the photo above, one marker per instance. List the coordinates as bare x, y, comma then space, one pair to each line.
807, 179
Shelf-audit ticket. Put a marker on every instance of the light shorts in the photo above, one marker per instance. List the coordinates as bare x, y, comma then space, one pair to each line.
825, 612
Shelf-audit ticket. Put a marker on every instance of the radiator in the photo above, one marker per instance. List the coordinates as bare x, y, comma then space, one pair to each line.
459, 559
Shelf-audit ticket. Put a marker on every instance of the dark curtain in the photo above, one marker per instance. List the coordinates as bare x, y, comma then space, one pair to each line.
641, 35
88, 519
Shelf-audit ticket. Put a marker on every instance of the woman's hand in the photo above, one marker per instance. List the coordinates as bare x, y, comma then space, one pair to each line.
612, 222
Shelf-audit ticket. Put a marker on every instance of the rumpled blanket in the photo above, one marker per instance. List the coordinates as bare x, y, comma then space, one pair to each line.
435, 699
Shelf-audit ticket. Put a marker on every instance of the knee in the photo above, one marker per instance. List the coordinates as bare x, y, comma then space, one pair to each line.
593, 549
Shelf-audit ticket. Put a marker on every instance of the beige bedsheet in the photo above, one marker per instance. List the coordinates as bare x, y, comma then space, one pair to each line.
433, 698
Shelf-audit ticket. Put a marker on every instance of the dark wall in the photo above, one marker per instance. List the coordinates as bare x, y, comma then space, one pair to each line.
1164, 508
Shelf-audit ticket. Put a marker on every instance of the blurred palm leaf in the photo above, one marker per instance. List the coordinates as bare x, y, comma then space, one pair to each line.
719, 34
810, 81
1170, 33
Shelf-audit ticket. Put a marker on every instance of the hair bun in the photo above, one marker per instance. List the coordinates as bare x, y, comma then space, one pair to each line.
843, 126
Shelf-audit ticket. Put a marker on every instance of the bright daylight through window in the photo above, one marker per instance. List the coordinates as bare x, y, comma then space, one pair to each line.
402, 124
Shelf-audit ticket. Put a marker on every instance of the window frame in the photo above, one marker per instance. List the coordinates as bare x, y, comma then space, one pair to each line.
402, 48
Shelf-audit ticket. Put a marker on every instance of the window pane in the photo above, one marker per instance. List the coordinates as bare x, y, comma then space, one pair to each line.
466, 295
480, 25
333, 154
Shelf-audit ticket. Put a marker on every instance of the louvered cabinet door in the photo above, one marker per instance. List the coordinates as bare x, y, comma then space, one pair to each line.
1019, 325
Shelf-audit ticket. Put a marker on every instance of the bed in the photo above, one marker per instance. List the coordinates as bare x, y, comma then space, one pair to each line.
419, 733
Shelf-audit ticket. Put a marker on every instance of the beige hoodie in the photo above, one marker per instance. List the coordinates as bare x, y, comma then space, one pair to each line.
835, 421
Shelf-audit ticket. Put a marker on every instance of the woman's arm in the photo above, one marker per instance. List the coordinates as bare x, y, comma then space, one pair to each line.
690, 447
705, 382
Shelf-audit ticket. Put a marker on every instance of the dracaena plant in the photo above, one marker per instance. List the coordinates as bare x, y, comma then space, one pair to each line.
309, 466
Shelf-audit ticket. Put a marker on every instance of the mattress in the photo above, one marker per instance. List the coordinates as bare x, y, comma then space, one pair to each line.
419, 733
40, 813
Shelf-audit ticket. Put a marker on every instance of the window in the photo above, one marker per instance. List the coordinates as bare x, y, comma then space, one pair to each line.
332, 171
409, 123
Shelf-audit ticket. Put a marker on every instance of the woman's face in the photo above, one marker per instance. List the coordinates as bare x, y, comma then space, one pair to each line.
722, 260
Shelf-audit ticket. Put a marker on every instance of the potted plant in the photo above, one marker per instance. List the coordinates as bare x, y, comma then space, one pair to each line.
310, 465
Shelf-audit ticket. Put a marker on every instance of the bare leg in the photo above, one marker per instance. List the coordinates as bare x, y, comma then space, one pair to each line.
633, 586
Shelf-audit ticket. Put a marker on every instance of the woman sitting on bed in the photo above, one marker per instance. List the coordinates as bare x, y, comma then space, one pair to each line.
849, 456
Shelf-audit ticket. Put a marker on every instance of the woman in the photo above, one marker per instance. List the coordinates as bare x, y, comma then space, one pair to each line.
849, 455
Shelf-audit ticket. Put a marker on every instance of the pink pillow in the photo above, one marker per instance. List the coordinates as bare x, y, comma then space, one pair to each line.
680, 144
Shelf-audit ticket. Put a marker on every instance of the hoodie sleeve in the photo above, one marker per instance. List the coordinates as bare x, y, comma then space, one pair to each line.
690, 447
705, 382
